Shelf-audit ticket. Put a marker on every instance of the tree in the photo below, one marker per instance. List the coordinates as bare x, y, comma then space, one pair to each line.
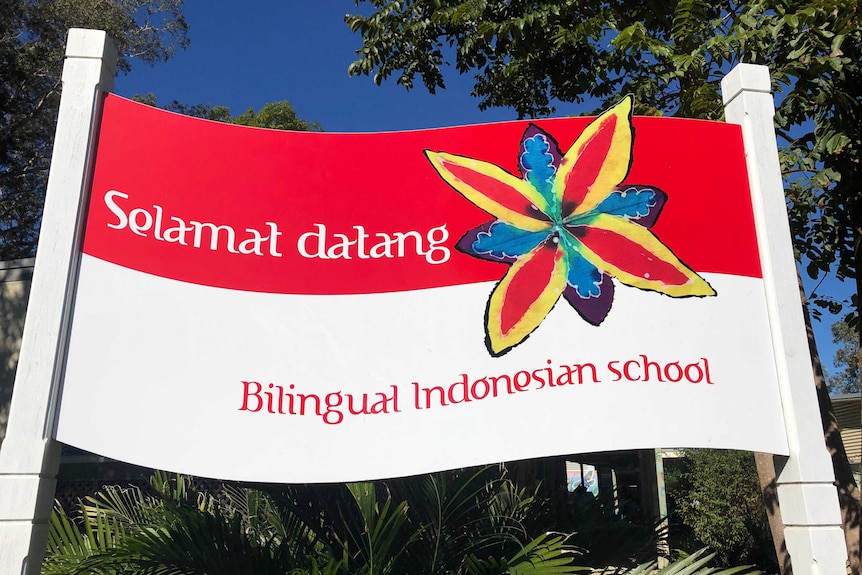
273, 115
671, 57
32, 40
846, 359
716, 493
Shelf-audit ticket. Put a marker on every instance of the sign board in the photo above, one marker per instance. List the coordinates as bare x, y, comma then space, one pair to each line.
303, 307
297, 307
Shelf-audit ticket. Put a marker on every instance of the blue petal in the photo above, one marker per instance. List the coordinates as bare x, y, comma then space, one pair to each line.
631, 203
503, 240
583, 276
538, 165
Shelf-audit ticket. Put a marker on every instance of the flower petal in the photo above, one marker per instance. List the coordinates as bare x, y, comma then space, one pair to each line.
525, 295
597, 162
641, 204
593, 309
539, 158
493, 189
465, 244
504, 241
583, 276
636, 257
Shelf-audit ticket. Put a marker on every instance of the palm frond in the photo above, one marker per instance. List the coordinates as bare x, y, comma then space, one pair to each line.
373, 546
547, 554
694, 564
71, 542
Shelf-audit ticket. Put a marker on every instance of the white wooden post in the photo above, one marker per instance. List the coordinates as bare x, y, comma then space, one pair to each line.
29, 457
806, 489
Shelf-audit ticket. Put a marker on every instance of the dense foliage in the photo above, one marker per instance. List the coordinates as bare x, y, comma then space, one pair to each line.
846, 360
32, 42
716, 495
473, 522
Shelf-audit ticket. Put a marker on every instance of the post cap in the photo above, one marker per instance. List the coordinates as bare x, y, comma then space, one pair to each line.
83, 43
745, 78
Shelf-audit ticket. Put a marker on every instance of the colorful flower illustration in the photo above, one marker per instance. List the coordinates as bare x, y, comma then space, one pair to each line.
566, 227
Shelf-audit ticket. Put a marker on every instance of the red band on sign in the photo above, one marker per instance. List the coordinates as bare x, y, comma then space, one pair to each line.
311, 213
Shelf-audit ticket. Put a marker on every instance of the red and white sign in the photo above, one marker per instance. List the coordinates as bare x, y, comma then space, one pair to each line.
299, 307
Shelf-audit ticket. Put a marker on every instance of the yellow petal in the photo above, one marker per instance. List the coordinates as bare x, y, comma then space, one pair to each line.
525, 295
597, 162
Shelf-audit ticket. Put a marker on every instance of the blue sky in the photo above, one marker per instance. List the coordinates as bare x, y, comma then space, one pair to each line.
297, 50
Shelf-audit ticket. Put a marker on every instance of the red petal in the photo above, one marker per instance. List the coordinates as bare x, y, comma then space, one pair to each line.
528, 285
588, 165
635, 260
496, 190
